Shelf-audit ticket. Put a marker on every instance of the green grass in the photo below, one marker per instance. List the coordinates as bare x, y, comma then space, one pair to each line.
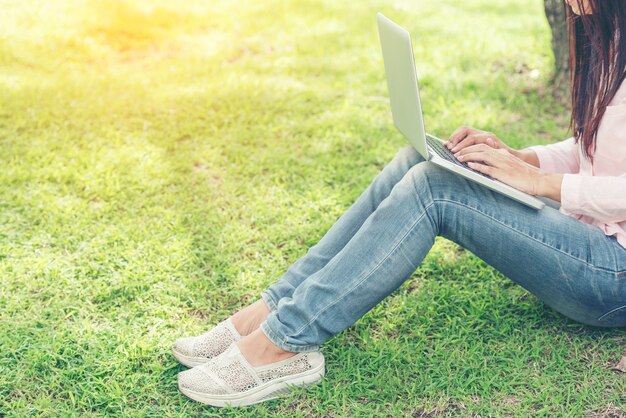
162, 163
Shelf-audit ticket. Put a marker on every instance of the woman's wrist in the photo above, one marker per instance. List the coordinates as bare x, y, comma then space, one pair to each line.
549, 185
527, 155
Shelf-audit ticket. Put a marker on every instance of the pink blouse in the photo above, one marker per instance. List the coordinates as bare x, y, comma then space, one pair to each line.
594, 193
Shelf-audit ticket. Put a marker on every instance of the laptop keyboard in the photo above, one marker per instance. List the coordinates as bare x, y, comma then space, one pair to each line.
436, 146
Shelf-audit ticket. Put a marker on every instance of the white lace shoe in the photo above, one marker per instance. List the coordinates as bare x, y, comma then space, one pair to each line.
229, 380
193, 351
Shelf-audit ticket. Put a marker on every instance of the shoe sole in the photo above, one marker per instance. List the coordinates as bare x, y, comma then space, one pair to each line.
188, 360
261, 393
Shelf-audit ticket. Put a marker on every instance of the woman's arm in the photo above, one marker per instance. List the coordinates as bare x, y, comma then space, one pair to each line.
600, 197
505, 166
560, 157
544, 170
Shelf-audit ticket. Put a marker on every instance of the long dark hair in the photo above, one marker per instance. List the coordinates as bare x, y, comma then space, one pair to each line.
598, 65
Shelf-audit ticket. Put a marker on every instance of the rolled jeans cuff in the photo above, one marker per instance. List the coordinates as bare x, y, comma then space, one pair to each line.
268, 327
269, 301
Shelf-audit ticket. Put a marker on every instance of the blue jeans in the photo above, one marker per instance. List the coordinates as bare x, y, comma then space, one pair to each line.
384, 236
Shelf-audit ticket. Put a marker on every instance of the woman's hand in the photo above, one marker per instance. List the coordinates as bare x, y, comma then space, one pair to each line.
501, 165
465, 136
484, 152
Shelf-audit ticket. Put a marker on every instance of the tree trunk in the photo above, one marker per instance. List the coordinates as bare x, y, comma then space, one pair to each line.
555, 12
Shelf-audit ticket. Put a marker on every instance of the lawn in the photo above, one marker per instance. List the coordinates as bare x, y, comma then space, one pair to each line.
162, 162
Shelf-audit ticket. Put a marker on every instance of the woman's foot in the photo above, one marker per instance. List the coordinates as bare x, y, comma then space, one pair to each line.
230, 379
259, 350
193, 351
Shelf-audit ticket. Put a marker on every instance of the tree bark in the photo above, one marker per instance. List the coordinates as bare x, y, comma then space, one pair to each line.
555, 12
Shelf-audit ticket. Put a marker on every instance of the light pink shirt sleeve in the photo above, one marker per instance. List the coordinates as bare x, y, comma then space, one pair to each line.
561, 157
602, 198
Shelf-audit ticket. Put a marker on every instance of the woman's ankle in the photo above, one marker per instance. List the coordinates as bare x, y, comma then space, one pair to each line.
259, 350
250, 318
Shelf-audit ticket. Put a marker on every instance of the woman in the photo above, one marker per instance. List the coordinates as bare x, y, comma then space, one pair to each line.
573, 258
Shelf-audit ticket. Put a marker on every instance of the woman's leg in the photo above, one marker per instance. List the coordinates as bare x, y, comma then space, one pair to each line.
345, 227
571, 266
248, 319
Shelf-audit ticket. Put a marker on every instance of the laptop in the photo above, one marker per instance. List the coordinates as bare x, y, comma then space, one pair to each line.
406, 109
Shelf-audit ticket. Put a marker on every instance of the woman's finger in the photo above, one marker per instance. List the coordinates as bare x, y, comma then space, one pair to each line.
475, 138
482, 168
479, 156
489, 156
480, 147
459, 134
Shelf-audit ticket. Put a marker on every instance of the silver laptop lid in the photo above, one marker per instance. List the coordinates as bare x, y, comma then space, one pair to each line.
402, 83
